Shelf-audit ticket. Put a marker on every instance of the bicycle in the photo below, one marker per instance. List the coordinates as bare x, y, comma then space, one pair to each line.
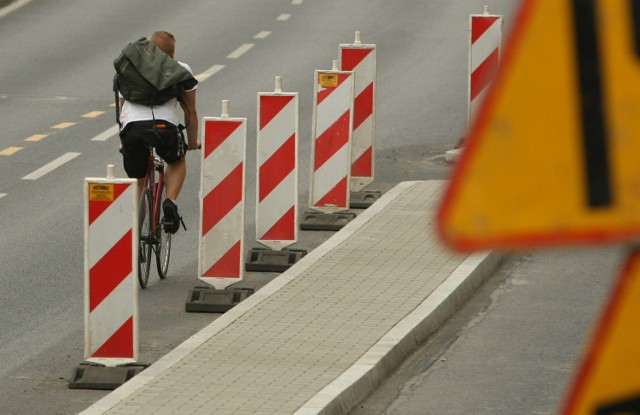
152, 235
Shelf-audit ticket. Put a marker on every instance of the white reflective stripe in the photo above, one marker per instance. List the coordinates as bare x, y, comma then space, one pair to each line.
221, 238
278, 131
361, 138
475, 104
226, 157
365, 70
330, 173
486, 44
112, 313
276, 204
111, 226
333, 106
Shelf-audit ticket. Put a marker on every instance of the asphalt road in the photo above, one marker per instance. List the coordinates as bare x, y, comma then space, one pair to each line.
55, 97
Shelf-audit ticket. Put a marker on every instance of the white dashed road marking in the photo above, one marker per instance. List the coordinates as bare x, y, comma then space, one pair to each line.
262, 34
104, 136
209, 72
51, 166
240, 51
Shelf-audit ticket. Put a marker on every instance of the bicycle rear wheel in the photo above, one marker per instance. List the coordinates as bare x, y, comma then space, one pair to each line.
146, 237
163, 249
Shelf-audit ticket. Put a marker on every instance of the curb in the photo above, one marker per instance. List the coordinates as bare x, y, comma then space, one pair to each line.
354, 385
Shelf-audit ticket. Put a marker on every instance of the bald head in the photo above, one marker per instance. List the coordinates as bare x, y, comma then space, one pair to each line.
165, 41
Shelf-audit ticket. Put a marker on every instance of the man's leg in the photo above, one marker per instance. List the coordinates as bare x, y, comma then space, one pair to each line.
174, 178
140, 186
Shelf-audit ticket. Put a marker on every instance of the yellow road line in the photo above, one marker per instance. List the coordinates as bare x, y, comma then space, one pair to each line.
9, 151
93, 114
63, 125
36, 137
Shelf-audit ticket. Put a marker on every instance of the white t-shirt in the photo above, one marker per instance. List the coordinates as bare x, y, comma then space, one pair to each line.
169, 111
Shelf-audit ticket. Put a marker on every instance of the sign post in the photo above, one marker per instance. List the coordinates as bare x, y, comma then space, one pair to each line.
222, 202
277, 182
331, 150
110, 284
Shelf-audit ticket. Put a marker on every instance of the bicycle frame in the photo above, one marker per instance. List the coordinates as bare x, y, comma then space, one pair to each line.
155, 164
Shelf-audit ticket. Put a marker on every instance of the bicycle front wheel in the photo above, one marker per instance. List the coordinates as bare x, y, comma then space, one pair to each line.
146, 237
163, 249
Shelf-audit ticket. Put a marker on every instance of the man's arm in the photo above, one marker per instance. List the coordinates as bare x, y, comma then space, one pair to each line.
188, 104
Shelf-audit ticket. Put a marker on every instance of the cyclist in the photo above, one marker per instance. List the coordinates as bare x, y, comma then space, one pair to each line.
165, 120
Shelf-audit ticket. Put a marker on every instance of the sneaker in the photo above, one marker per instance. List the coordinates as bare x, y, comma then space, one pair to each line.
171, 220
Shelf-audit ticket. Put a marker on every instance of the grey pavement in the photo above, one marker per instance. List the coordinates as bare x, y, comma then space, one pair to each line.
322, 335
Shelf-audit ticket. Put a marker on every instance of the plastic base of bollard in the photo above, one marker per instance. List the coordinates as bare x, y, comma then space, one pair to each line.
211, 300
96, 376
269, 260
315, 221
363, 199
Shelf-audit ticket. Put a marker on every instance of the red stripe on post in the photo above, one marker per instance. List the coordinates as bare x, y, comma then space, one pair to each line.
222, 199
216, 132
362, 167
336, 196
120, 344
352, 57
283, 229
363, 106
110, 271
270, 106
332, 140
277, 167
484, 74
228, 265
98, 207
481, 24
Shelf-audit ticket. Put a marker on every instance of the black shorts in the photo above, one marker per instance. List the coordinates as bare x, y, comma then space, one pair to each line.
136, 138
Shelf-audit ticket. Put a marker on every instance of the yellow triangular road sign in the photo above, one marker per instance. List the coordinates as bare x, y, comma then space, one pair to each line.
554, 155
609, 381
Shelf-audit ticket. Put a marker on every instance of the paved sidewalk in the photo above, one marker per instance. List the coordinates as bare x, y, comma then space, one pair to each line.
319, 337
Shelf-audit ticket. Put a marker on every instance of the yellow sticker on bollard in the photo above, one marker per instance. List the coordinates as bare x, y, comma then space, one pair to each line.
101, 192
328, 80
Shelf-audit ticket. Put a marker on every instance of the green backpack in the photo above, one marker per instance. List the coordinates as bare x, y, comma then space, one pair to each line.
146, 75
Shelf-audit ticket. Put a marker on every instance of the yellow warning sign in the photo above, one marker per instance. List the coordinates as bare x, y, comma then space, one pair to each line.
554, 155
609, 381
328, 80
101, 192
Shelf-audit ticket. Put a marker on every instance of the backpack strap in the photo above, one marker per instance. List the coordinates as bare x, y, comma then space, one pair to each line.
117, 99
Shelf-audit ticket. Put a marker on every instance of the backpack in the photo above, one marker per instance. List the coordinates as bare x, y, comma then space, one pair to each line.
146, 75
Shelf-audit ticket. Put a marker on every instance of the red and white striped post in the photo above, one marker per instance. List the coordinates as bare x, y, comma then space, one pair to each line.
361, 59
222, 199
277, 168
331, 132
110, 270
485, 47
